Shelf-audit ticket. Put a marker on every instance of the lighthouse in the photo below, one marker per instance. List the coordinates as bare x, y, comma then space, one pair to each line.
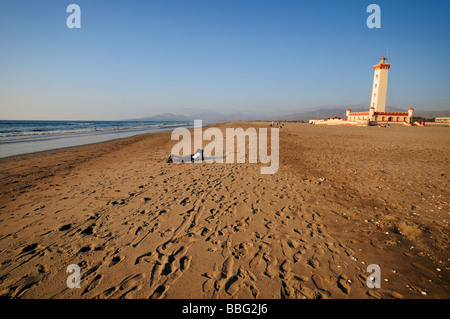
379, 88
377, 111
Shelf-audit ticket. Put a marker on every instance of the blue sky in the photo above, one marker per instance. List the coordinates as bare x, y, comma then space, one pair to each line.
140, 58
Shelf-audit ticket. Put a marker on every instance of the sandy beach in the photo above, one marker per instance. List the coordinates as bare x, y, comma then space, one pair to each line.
343, 198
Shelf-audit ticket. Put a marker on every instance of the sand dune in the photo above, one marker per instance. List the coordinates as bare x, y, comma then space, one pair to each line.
139, 227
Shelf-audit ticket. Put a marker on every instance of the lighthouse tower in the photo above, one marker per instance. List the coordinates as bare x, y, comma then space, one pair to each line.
379, 89
377, 112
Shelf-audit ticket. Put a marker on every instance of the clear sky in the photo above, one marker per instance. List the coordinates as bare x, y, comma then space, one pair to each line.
140, 58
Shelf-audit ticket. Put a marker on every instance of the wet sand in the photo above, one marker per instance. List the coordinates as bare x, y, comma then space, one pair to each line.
139, 227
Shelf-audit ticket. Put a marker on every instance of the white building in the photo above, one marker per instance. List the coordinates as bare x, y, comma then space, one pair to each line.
377, 113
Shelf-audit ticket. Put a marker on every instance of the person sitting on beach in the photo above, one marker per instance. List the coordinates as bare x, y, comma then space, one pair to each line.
197, 156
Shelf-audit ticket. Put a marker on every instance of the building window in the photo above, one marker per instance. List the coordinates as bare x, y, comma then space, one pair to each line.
377, 76
390, 119
404, 119
376, 85
397, 118
382, 118
374, 95
376, 118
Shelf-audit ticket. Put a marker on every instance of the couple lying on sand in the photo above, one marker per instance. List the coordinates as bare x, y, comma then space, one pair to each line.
197, 156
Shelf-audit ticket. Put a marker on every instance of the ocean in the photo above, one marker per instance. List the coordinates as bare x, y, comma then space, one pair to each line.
22, 137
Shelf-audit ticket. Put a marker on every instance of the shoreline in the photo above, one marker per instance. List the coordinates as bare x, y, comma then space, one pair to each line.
100, 143
15, 146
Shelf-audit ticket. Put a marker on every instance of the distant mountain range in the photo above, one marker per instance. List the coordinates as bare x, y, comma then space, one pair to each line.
322, 113
205, 116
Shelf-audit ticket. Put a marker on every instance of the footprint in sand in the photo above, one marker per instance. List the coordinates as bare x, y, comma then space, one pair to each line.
318, 282
234, 283
208, 285
185, 263
30, 248
89, 230
286, 266
242, 282
131, 284
257, 258
167, 269
344, 284
313, 262
115, 260
93, 284
85, 249
271, 265
240, 250
65, 227
227, 267
297, 257
145, 257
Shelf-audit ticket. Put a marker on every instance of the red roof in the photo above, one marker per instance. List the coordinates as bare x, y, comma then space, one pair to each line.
360, 113
392, 113
382, 66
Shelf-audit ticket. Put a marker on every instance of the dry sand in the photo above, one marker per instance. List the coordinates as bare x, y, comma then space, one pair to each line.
140, 227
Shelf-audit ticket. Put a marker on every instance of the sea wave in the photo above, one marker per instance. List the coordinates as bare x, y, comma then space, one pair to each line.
44, 132
13, 130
